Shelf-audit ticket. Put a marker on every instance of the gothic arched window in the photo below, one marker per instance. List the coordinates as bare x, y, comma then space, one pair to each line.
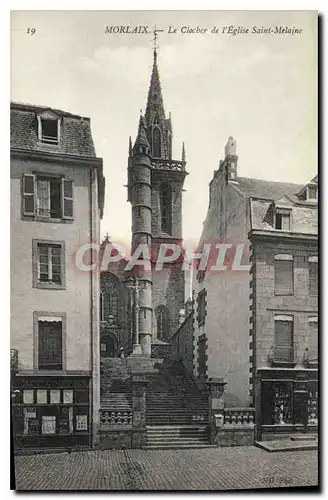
162, 315
111, 289
157, 148
166, 208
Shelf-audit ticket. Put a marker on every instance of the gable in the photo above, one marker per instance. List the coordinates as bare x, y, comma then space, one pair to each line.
49, 114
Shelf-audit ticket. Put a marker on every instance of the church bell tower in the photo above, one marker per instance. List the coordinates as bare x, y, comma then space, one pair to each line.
155, 186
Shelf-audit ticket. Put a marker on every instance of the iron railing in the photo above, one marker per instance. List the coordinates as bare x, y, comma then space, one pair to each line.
311, 356
282, 354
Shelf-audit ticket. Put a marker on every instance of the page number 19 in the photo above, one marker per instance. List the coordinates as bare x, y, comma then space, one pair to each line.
31, 31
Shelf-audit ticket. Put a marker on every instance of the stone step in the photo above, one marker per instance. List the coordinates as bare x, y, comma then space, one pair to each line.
170, 438
286, 445
177, 442
304, 437
180, 431
151, 427
177, 446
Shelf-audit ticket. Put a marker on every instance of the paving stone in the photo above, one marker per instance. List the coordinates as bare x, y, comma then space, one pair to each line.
134, 470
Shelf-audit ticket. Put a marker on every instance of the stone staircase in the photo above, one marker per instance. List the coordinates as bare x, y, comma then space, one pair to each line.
176, 411
115, 387
175, 436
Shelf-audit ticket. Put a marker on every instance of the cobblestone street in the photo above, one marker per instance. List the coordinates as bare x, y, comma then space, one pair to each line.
203, 469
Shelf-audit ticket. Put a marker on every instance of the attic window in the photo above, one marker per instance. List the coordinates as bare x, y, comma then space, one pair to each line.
312, 193
282, 221
49, 127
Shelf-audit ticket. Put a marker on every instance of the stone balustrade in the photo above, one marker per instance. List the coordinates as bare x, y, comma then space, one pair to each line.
160, 164
115, 419
238, 416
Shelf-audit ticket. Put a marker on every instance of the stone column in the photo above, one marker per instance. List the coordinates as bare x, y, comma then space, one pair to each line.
215, 405
139, 389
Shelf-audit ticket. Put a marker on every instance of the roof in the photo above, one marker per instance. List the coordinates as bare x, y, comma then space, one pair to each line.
75, 131
141, 139
304, 219
38, 109
270, 190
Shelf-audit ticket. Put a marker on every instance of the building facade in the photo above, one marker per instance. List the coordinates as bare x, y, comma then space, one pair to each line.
284, 312
221, 295
155, 186
57, 199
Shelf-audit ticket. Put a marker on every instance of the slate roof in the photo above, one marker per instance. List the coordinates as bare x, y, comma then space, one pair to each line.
270, 190
75, 131
141, 139
304, 219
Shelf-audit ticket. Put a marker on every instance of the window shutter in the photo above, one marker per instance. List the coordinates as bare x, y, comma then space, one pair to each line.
284, 283
50, 345
313, 278
283, 340
29, 194
67, 199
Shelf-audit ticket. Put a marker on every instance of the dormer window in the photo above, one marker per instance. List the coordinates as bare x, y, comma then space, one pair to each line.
49, 127
282, 219
49, 131
309, 192
312, 193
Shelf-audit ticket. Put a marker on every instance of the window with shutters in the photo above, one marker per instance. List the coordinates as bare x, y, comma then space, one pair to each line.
50, 343
313, 276
47, 197
48, 264
283, 274
283, 348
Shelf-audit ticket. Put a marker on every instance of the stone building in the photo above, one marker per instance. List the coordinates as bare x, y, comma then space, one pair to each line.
221, 297
284, 312
57, 200
155, 186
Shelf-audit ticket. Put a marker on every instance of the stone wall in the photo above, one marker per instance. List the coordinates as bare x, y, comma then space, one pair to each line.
168, 290
300, 305
182, 344
227, 293
161, 351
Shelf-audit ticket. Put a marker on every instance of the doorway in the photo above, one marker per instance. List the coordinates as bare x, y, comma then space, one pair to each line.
108, 346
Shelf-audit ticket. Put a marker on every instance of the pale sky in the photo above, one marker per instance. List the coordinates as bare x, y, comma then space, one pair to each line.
260, 89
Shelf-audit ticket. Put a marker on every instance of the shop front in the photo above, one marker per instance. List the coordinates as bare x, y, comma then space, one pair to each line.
51, 412
287, 403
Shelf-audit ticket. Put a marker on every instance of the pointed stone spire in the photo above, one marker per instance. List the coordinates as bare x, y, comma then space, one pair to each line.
155, 101
130, 146
183, 156
141, 145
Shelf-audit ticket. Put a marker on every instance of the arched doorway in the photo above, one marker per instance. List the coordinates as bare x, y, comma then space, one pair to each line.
108, 345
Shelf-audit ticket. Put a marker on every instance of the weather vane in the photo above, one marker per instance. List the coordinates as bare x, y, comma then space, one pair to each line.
155, 37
